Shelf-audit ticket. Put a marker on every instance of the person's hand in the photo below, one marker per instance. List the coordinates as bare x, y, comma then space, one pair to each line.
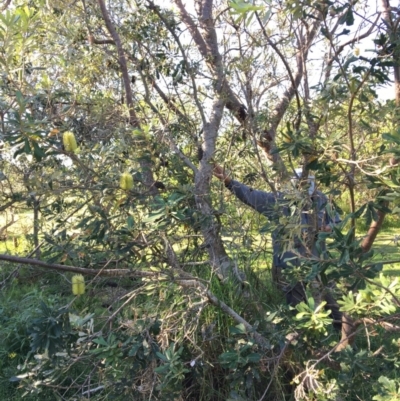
326, 229
220, 173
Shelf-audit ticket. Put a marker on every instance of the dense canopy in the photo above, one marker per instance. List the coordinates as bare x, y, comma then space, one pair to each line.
113, 116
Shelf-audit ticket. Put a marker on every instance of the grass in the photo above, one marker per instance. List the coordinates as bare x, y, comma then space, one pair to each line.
387, 248
13, 239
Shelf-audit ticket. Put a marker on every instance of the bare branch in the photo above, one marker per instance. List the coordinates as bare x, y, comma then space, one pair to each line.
5, 6
188, 69
300, 62
74, 269
133, 119
7, 205
184, 280
195, 33
353, 40
210, 53
260, 340
392, 328
122, 63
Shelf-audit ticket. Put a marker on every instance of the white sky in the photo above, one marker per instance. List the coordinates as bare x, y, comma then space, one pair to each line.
365, 45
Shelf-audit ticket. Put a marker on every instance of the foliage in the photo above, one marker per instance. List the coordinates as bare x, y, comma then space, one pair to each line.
242, 363
49, 329
313, 318
111, 119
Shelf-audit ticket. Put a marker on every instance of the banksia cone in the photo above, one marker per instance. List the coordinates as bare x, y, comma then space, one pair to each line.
126, 181
69, 141
78, 284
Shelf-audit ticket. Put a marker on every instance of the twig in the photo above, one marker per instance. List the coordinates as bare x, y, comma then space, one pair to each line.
353, 40
93, 390
278, 359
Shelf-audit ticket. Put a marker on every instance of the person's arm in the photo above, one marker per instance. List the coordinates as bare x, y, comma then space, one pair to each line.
262, 202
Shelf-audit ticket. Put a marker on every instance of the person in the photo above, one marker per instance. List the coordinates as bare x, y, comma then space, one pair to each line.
288, 251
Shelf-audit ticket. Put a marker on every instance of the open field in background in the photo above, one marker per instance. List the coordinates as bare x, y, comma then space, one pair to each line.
16, 239
14, 232
387, 248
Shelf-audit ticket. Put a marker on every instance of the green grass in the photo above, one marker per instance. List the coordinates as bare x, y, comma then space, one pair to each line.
387, 248
14, 238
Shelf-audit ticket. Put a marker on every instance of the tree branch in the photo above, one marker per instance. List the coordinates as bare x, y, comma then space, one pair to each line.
232, 102
93, 41
5, 6
351, 41
122, 63
74, 269
133, 119
7, 205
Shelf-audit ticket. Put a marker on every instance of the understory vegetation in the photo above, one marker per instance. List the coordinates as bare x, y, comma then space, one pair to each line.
127, 272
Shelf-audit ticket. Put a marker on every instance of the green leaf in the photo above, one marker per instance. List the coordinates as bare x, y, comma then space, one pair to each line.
162, 356
239, 329
152, 217
241, 7
254, 357
38, 152
100, 341
130, 222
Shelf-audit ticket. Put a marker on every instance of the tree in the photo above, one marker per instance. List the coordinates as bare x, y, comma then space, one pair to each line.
160, 94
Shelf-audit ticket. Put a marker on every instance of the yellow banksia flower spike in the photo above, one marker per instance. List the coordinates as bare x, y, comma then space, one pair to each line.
78, 284
69, 141
126, 181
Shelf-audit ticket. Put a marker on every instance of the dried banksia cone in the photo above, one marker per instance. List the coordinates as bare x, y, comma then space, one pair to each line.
69, 141
78, 284
126, 181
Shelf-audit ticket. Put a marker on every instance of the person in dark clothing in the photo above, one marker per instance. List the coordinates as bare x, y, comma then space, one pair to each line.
287, 251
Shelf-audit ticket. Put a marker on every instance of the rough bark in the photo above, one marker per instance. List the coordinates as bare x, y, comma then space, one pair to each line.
210, 226
207, 44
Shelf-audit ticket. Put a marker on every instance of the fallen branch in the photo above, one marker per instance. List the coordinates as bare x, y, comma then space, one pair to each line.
258, 338
81, 270
184, 280
385, 325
